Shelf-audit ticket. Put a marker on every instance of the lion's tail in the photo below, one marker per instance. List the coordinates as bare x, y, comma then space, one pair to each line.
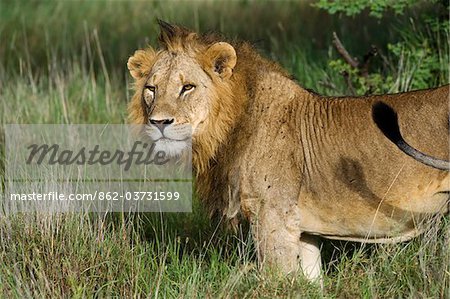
387, 121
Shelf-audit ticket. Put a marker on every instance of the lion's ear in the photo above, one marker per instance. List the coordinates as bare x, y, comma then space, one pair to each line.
222, 58
140, 63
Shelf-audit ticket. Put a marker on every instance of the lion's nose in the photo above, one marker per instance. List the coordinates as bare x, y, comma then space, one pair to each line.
161, 123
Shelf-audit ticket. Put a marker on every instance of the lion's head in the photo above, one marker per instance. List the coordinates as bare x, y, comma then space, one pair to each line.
184, 88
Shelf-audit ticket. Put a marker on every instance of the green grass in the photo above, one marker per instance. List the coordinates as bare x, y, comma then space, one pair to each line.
65, 62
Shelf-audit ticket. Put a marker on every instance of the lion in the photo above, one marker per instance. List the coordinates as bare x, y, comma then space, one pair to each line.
297, 165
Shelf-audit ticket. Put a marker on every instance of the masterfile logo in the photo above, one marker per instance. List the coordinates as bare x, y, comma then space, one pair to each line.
93, 167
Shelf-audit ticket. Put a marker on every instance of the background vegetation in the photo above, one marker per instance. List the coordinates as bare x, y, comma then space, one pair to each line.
65, 62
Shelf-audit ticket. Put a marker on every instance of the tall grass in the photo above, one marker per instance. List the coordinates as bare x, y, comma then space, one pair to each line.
65, 62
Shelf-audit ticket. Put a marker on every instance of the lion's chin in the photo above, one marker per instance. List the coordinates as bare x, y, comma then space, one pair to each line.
171, 147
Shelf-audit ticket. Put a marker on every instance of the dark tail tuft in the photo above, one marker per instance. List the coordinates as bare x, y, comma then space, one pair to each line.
387, 121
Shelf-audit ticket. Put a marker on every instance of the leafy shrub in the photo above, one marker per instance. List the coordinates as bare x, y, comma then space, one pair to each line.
418, 60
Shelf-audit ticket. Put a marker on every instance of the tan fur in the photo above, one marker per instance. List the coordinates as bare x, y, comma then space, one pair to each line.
295, 163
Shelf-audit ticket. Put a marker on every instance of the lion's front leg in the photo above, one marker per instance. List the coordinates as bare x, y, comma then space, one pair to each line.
280, 244
277, 247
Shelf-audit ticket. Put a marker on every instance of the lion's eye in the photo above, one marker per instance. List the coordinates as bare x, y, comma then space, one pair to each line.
150, 88
149, 94
187, 87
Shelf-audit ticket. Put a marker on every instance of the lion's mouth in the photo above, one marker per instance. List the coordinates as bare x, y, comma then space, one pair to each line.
170, 137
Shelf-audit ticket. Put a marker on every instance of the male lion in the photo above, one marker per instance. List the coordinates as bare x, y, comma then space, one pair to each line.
295, 164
